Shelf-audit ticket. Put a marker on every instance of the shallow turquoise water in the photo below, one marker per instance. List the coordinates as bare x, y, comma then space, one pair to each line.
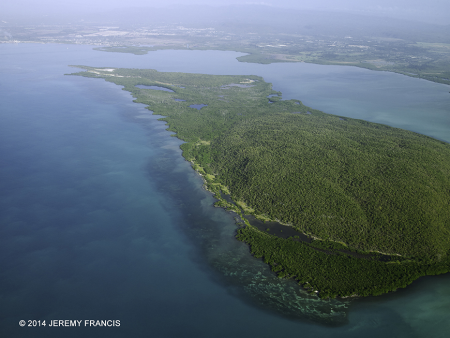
101, 218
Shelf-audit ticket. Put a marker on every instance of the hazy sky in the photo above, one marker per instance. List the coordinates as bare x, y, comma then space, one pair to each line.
433, 11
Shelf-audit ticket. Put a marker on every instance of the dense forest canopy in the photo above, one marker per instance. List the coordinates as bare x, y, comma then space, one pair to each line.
374, 199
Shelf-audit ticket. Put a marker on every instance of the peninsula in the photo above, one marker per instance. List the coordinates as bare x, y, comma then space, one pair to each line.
364, 206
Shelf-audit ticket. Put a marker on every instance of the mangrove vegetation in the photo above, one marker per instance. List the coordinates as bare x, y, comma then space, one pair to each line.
374, 200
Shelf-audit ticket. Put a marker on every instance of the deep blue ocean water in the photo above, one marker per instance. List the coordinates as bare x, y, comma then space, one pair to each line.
101, 218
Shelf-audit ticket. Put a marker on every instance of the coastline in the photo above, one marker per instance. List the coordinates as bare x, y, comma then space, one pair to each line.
289, 253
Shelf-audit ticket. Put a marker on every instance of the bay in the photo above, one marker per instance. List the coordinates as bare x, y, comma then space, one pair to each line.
101, 218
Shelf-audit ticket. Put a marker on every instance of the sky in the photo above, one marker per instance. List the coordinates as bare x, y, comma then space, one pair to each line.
431, 11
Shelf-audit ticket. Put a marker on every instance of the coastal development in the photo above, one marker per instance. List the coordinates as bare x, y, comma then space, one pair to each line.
345, 207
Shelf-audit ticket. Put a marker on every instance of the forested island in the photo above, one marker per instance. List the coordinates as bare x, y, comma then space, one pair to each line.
365, 205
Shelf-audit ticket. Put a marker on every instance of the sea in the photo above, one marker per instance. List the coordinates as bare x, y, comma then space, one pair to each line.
106, 231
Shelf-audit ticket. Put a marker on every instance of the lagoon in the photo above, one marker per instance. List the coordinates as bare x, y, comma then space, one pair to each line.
101, 218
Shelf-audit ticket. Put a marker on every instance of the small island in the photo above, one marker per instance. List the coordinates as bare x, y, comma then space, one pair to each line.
346, 207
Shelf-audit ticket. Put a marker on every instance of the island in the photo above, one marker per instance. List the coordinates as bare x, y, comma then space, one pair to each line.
344, 206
